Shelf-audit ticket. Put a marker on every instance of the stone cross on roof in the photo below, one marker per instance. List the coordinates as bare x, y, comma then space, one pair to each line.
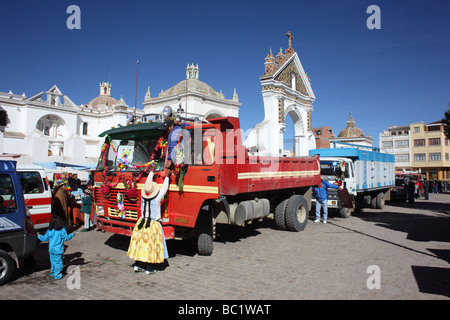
290, 49
289, 34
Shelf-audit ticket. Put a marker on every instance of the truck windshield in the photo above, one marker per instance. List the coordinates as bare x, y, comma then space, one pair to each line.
333, 168
132, 154
7, 195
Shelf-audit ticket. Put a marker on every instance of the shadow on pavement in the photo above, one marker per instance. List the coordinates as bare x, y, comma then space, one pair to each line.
431, 225
432, 280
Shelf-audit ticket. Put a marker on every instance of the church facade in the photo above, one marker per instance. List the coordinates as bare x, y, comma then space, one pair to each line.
193, 99
286, 90
49, 126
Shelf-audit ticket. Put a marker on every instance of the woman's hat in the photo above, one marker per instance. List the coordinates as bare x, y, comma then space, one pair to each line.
149, 190
88, 191
60, 183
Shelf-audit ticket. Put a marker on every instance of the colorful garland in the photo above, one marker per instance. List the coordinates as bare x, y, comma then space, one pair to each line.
130, 186
161, 145
107, 183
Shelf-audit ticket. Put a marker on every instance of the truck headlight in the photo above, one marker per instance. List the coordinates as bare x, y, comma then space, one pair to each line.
100, 211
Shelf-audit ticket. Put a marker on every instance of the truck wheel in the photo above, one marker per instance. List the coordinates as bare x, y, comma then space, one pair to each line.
280, 216
373, 202
380, 200
6, 267
205, 244
206, 232
296, 213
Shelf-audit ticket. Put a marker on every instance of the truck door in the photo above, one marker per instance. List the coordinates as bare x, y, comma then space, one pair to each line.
204, 149
12, 211
201, 180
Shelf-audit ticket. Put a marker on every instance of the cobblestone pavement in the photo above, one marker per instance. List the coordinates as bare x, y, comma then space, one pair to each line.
409, 243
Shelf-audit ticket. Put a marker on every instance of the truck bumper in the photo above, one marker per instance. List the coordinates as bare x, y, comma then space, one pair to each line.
126, 228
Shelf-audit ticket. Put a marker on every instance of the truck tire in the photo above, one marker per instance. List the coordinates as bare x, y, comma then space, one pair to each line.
205, 244
6, 267
206, 232
296, 213
380, 200
373, 202
280, 215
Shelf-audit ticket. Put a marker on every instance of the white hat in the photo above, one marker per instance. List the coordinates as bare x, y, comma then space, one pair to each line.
149, 190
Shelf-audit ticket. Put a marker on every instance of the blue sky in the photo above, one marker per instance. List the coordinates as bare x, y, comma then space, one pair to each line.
395, 75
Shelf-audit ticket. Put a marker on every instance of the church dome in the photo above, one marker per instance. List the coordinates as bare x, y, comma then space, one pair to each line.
104, 100
351, 131
192, 85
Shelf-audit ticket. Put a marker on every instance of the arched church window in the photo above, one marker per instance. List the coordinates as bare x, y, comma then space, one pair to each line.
85, 128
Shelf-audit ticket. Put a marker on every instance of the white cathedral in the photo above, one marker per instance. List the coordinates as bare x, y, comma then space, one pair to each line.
49, 127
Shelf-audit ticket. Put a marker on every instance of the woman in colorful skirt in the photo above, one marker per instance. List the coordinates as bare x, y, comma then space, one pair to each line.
147, 244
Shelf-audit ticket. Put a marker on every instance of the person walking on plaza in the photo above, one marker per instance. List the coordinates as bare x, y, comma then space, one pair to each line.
321, 194
56, 235
86, 205
425, 188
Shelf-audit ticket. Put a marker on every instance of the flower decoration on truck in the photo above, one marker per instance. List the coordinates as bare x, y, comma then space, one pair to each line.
120, 206
179, 169
107, 183
157, 153
340, 176
131, 186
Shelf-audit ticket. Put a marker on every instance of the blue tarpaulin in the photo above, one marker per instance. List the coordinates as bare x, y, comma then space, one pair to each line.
54, 164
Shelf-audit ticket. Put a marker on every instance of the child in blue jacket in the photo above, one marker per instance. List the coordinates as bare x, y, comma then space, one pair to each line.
56, 235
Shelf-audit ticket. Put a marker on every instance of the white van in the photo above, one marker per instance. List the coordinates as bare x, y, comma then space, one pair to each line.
37, 194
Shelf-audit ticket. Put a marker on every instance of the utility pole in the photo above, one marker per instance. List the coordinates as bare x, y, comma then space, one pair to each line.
135, 93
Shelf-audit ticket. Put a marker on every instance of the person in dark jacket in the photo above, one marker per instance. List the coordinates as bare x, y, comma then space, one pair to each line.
86, 204
411, 190
321, 194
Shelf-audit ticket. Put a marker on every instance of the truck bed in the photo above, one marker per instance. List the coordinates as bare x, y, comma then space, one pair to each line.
373, 170
243, 173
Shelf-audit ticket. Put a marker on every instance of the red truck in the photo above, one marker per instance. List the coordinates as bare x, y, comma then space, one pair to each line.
216, 181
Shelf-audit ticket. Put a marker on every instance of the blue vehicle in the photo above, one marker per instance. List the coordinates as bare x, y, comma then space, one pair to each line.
17, 234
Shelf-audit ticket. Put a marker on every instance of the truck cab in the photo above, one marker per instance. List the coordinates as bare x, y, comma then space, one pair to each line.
17, 234
342, 170
367, 175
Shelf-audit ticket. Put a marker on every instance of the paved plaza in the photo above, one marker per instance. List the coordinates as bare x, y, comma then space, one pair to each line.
402, 252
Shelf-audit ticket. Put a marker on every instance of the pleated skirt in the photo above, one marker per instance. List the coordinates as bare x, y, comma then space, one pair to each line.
148, 244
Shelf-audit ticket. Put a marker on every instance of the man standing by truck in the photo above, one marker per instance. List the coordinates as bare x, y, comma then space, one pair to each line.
321, 194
